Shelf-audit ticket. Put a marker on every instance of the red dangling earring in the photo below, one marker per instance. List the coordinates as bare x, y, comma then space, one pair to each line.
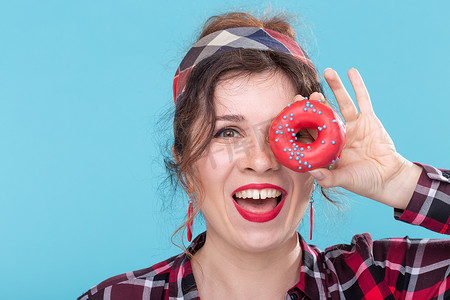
190, 219
311, 218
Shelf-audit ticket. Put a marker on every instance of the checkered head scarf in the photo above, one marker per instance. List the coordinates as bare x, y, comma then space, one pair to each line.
230, 39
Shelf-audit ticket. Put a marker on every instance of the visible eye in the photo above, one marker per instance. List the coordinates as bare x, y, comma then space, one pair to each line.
227, 133
305, 136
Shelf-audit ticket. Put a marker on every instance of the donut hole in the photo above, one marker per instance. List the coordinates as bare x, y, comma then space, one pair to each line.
306, 135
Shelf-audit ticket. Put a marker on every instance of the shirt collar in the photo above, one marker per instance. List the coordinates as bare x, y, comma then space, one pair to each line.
312, 275
312, 272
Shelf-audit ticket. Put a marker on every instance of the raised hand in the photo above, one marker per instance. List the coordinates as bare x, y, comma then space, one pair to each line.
369, 164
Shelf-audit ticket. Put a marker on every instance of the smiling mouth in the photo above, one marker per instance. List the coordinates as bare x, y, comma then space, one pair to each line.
259, 203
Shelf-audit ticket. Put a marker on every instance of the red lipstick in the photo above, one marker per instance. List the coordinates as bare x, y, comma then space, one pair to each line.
265, 217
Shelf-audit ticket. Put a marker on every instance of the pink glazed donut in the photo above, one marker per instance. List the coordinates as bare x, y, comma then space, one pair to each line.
307, 114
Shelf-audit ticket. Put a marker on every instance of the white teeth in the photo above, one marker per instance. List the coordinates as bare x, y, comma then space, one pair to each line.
258, 194
242, 194
263, 194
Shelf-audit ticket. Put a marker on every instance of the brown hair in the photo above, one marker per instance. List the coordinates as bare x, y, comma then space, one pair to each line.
195, 109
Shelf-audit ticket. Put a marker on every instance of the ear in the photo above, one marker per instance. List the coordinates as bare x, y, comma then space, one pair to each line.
174, 155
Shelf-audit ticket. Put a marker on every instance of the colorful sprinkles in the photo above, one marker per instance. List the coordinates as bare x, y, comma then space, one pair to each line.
298, 152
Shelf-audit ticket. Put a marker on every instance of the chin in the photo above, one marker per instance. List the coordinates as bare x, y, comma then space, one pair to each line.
263, 239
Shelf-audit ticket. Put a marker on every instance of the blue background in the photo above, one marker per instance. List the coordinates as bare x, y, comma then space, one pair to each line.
83, 85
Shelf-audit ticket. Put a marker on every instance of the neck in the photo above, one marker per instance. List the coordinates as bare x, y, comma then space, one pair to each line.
221, 270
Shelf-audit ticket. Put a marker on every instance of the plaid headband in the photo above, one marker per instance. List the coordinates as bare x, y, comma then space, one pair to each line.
230, 39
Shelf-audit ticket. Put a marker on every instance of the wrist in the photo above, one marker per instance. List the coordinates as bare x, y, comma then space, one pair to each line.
399, 189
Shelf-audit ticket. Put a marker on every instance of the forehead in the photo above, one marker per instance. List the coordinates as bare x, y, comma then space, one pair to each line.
254, 95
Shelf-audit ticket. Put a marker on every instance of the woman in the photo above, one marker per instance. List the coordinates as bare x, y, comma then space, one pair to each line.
239, 75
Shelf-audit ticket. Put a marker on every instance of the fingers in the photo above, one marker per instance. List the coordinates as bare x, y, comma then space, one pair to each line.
326, 178
317, 96
346, 105
298, 98
314, 96
361, 93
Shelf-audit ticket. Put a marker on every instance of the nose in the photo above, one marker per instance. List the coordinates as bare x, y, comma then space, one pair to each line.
259, 157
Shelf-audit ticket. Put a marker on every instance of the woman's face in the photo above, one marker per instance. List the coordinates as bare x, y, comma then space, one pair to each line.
239, 170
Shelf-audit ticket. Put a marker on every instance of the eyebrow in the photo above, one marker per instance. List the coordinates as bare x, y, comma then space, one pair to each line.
231, 118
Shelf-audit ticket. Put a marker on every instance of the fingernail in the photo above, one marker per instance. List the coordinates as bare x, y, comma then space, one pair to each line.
316, 174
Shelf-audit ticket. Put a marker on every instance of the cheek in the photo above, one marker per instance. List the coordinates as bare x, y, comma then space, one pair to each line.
308, 184
303, 182
216, 160
303, 188
213, 169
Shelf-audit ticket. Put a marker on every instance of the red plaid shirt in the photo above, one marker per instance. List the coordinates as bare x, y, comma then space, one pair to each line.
396, 268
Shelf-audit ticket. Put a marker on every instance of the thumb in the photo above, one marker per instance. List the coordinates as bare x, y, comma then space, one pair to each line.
325, 178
